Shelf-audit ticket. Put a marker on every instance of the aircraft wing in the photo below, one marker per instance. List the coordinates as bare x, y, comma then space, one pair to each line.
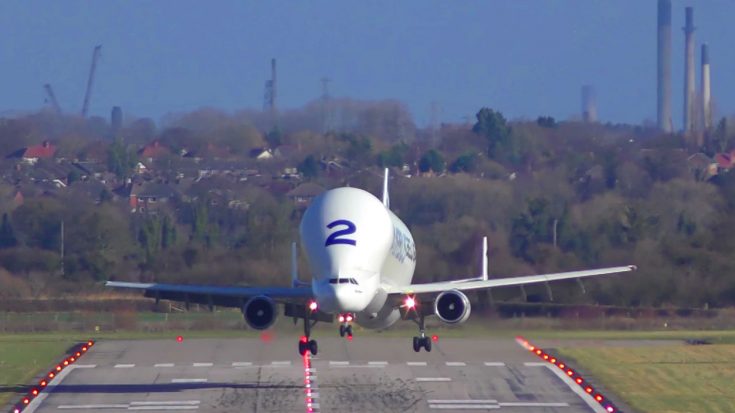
215, 295
476, 284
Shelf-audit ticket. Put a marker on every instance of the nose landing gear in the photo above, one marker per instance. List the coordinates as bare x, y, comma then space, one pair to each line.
306, 343
345, 327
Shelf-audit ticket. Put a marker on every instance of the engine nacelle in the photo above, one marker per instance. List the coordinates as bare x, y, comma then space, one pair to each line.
259, 312
452, 307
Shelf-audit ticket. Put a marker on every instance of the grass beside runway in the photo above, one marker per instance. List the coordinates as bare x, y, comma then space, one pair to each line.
21, 359
670, 379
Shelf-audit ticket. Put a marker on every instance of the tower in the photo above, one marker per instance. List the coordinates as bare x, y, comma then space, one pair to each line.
663, 76
689, 72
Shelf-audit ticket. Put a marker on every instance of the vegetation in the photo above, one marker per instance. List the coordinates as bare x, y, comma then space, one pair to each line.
551, 195
663, 378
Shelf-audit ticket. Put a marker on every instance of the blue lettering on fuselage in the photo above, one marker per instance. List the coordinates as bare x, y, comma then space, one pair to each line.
403, 247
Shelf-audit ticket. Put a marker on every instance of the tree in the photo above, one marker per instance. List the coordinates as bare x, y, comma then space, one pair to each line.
393, 157
431, 161
493, 126
309, 167
465, 163
119, 160
546, 122
7, 235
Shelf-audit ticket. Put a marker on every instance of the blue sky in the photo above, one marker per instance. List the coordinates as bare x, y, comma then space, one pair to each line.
524, 58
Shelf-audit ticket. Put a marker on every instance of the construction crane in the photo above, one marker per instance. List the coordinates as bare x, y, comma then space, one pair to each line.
90, 80
52, 98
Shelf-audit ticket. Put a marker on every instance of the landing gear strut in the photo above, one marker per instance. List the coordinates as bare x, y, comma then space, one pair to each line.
421, 340
306, 343
345, 327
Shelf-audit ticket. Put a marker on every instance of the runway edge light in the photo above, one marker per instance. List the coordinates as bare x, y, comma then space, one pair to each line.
589, 391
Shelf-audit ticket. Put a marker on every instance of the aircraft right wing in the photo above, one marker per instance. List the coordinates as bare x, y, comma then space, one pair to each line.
475, 284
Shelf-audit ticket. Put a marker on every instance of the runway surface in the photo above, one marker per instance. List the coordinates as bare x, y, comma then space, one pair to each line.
368, 374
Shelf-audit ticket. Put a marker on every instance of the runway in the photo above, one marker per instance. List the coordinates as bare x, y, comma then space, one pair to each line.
368, 374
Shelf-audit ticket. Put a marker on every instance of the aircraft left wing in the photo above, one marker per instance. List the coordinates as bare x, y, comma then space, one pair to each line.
216, 295
476, 284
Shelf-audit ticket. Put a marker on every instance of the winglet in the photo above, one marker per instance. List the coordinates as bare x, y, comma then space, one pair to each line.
386, 198
484, 258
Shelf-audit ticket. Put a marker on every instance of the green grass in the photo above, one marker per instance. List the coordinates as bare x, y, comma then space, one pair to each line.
666, 379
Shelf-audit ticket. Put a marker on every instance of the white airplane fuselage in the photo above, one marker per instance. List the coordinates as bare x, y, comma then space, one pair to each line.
355, 244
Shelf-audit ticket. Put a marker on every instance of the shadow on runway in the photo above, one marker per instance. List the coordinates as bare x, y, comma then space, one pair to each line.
161, 387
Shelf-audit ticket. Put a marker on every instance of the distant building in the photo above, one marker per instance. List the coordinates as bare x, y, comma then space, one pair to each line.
153, 150
32, 154
303, 194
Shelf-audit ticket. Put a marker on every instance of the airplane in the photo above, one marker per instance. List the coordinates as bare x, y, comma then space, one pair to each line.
362, 259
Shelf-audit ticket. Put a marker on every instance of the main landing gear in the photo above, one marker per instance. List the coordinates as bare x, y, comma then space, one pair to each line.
345, 328
306, 343
421, 340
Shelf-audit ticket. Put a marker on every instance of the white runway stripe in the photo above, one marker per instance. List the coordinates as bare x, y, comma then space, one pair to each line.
188, 380
91, 406
124, 366
377, 363
415, 363
433, 379
464, 406
242, 364
164, 365
456, 363
532, 404
172, 402
85, 366
339, 363
177, 408
494, 363
468, 401
281, 363
203, 364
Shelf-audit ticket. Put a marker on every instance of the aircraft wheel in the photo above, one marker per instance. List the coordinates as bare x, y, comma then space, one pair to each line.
348, 330
427, 344
302, 347
313, 347
342, 331
416, 344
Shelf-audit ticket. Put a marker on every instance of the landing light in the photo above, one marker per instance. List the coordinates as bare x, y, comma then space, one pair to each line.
313, 305
349, 317
341, 318
409, 303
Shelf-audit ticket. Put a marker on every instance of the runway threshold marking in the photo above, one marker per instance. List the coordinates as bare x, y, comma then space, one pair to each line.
433, 379
188, 380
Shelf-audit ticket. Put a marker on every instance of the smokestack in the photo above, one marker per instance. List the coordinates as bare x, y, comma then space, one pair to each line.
116, 117
689, 71
589, 104
706, 90
663, 76
273, 85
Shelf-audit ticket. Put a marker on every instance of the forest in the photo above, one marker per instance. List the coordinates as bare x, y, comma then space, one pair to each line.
550, 195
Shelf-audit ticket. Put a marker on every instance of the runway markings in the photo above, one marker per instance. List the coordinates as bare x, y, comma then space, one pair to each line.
188, 380
124, 366
456, 363
532, 404
416, 363
203, 364
339, 363
242, 364
431, 379
377, 363
142, 405
467, 401
494, 364
164, 365
281, 363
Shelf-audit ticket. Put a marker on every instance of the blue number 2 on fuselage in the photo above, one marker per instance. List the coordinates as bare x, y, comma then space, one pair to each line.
337, 237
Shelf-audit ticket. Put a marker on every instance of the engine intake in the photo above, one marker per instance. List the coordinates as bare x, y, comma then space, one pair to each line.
452, 307
259, 312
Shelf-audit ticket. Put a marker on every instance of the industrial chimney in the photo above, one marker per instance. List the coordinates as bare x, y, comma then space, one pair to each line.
689, 72
116, 118
589, 104
706, 90
663, 75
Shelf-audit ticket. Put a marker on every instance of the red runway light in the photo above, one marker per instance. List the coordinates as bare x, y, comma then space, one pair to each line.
179, 339
532, 348
546, 356
435, 338
26, 400
58, 368
90, 343
570, 372
553, 360
16, 410
579, 380
51, 375
84, 349
34, 392
598, 397
538, 352
42, 383
78, 354
610, 409
562, 366
66, 363
588, 389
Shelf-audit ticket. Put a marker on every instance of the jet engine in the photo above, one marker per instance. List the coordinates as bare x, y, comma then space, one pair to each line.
452, 307
259, 312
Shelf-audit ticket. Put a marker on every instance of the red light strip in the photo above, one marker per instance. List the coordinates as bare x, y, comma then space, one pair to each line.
581, 382
310, 386
46, 380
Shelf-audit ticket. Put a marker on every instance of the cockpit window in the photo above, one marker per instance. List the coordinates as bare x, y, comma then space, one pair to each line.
343, 281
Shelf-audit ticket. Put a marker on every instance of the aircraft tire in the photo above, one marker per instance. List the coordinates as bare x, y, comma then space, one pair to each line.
302, 348
416, 344
342, 331
313, 348
427, 344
